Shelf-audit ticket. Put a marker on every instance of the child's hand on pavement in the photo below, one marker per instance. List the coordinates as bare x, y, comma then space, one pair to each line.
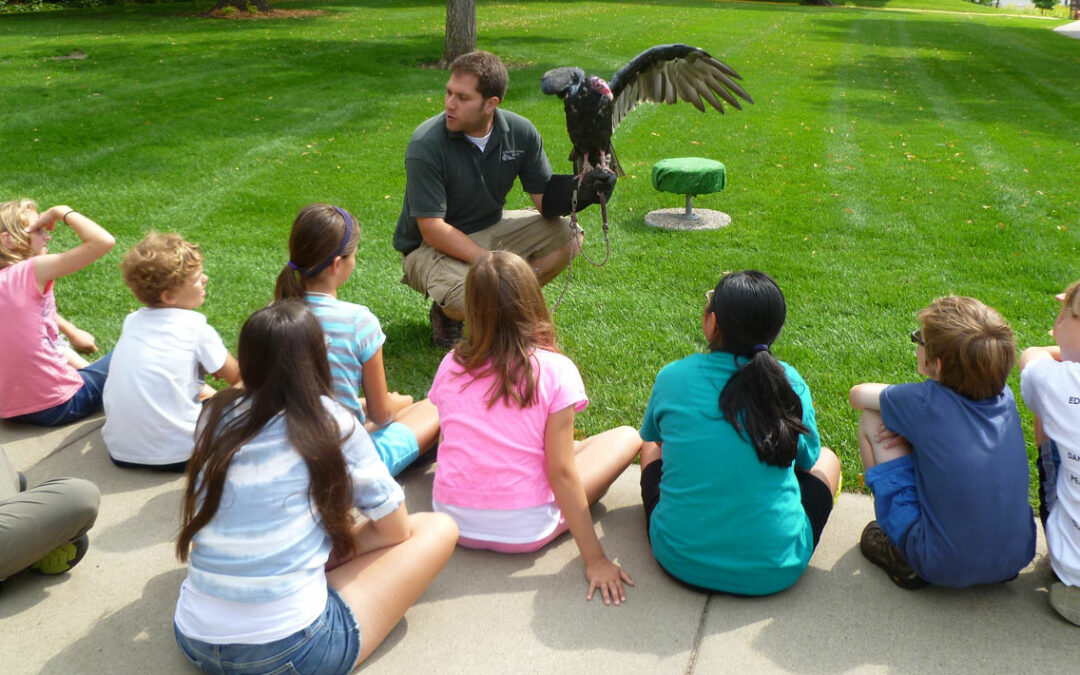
608, 578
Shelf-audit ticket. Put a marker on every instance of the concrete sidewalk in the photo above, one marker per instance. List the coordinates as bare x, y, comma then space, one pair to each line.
488, 613
1070, 30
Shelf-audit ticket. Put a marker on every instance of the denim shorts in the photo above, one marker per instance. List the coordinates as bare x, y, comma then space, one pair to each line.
85, 402
896, 501
331, 644
1049, 463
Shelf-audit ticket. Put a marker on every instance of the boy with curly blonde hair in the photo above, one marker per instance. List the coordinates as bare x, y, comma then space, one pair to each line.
1050, 384
946, 459
157, 377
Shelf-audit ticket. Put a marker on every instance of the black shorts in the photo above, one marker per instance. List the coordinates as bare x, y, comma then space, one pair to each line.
817, 502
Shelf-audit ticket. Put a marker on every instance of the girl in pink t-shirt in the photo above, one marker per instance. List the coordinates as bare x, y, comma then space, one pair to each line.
509, 471
38, 384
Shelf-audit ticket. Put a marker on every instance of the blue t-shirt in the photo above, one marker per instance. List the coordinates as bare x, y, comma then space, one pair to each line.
725, 520
353, 336
971, 476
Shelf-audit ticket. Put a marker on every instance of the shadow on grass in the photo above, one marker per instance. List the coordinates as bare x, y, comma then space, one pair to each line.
954, 71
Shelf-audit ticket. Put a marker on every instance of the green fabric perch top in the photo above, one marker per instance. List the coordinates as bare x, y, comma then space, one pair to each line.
689, 176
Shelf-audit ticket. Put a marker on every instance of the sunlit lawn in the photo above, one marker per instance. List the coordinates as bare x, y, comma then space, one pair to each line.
891, 157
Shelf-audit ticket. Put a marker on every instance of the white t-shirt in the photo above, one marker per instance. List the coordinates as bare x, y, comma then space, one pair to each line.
158, 367
1051, 389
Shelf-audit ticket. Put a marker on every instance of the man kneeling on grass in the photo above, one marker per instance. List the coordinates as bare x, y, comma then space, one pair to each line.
945, 458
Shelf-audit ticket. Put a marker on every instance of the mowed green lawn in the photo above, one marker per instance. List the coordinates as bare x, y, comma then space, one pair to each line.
891, 157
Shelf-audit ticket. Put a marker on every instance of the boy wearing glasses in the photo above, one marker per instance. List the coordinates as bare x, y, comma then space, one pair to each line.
945, 458
1050, 384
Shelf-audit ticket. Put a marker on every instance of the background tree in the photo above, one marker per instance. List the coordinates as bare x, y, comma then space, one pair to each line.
460, 30
1044, 5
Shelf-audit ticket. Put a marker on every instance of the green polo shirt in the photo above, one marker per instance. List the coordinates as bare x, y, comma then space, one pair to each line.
448, 177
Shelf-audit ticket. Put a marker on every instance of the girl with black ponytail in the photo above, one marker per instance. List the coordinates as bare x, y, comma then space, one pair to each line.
736, 485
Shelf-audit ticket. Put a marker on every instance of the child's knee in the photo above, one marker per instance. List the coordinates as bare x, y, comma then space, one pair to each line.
437, 526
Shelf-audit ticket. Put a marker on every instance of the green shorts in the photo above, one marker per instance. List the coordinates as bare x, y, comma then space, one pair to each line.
442, 277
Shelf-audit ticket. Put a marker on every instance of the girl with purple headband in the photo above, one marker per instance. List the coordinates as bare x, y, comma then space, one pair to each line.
322, 255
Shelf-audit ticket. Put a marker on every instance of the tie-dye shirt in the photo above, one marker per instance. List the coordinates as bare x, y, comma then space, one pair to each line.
265, 543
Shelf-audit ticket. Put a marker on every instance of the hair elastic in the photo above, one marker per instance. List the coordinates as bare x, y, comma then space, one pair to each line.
760, 348
296, 267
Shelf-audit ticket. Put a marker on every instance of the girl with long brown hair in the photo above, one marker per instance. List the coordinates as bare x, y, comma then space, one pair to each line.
277, 468
510, 472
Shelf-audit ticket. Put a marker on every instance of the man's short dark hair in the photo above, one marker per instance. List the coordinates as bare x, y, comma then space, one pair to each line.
490, 72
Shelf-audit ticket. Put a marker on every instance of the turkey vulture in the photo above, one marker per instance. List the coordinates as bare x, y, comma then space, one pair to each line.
665, 73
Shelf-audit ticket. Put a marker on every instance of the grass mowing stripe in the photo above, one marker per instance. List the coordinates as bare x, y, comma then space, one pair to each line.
337, 97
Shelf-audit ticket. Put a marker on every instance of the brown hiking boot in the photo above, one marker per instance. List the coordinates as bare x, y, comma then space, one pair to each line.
445, 332
877, 548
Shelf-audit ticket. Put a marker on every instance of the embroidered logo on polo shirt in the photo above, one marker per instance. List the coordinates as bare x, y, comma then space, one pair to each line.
511, 155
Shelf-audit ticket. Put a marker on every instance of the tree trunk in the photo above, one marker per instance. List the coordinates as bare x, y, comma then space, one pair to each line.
460, 30
242, 5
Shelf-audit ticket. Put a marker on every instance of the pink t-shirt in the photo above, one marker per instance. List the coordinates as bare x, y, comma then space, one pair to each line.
493, 458
34, 374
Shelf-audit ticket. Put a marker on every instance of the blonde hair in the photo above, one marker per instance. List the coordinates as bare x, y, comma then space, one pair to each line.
14, 224
975, 345
1072, 293
159, 263
506, 319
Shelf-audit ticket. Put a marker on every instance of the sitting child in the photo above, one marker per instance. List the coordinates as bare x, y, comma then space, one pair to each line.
303, 556
322, 256
43, 528
37, 383
152, 396
736, 486
1050, 384
510, 472
945, 458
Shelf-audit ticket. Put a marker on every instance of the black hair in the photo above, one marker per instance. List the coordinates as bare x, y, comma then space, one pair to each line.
758, 399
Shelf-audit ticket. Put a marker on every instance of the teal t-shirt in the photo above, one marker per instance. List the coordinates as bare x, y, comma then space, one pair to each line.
725, 520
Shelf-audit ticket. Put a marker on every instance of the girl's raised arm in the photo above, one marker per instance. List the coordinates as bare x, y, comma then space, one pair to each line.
570, 495
96, 242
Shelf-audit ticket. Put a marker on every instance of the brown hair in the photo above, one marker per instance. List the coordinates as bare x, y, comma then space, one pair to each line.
506, 319
319, 235
1071, 295
975, 345
490, 72
159, 263
14, 224
284, 368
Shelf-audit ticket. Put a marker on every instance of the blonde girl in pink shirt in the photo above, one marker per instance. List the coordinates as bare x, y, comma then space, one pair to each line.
509, 471
38, 384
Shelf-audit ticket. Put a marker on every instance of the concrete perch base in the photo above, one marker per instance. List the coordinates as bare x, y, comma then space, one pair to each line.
678, 219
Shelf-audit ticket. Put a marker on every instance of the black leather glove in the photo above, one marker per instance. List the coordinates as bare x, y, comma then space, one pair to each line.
558, 197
